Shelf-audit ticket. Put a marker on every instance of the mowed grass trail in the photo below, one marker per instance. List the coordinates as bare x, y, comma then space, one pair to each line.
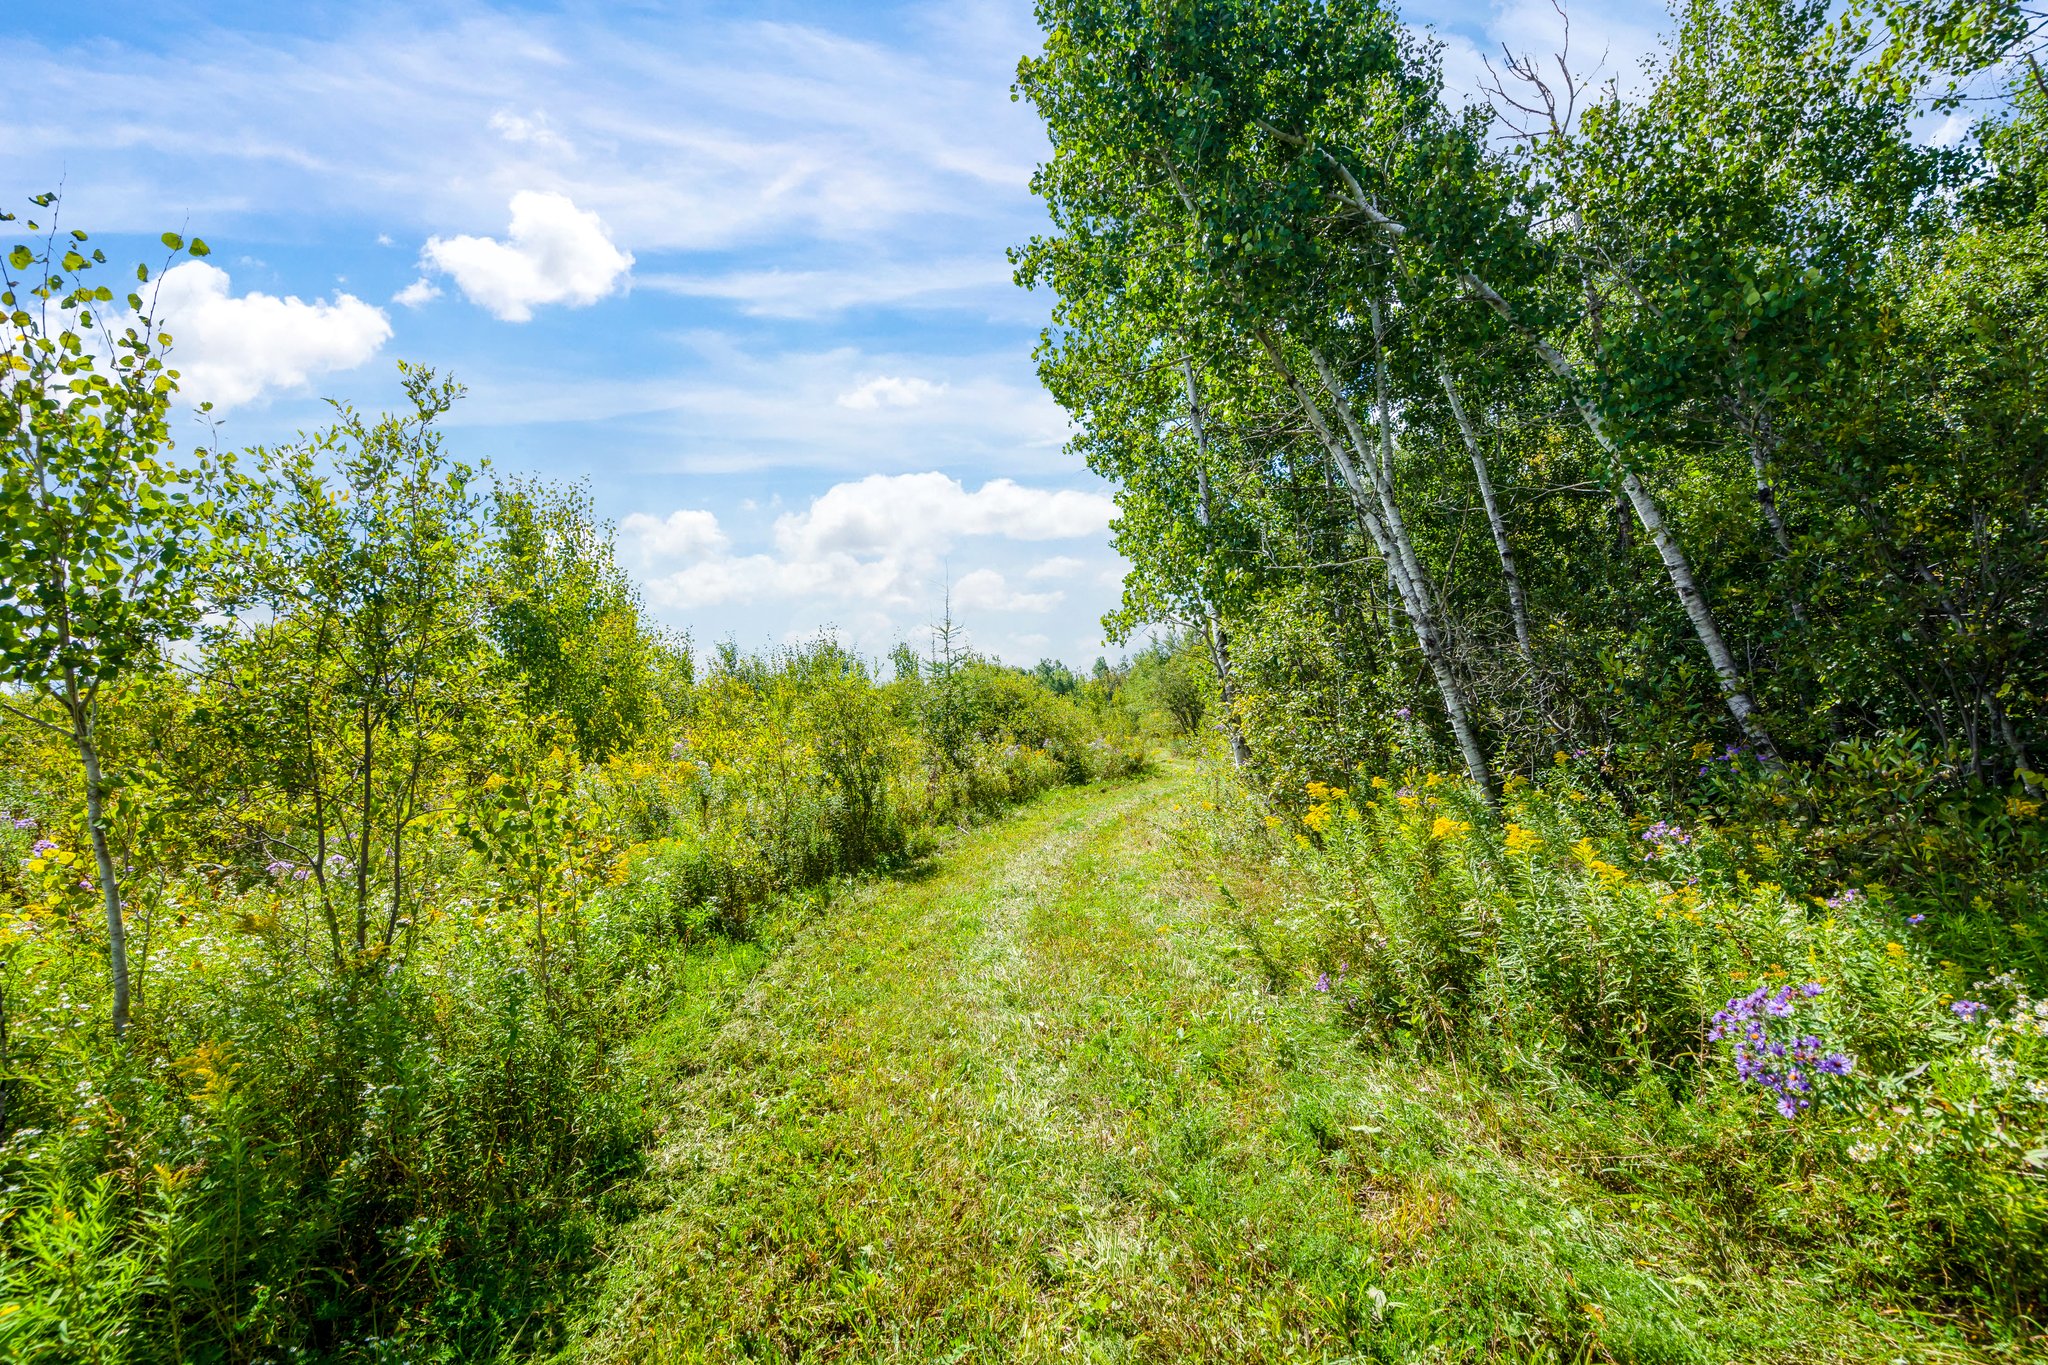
1039, 1104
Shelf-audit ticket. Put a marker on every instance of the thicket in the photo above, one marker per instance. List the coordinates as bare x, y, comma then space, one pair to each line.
357, 820
1671, 465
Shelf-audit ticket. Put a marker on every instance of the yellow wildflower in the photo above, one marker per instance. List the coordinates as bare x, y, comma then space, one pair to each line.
2019, 808
1444, 827
1317, 817
1895, 951
1523, 840
1379, 784
1318, 791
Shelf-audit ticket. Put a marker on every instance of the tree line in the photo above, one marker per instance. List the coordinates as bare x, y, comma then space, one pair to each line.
1704, 414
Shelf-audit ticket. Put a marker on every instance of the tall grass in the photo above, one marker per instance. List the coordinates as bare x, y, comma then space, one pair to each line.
410, 1153
1575, 943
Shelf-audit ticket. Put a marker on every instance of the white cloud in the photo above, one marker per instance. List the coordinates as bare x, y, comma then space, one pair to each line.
533, 132
985, 590
556, 253
878, 543
1059, 566
782, 293
897, 513
420, 292
887, 391
229, 351
686, 533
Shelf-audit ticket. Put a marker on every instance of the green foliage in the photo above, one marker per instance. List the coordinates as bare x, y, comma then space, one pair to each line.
1566, 941
568, 620
367, 1113
108, 534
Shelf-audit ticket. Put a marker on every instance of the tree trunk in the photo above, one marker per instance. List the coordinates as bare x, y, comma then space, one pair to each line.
1218, 637
81, 709
1690, 596
1413, 595
1517, 605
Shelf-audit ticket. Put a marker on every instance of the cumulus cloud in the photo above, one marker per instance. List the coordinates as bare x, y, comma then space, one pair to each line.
985, 590
229, 350
1059, 566
554, 252
420, 292
887, 391
686, 533
879, 543
902, 513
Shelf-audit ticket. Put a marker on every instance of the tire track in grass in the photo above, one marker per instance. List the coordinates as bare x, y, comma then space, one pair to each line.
828, 1181
1041, 1105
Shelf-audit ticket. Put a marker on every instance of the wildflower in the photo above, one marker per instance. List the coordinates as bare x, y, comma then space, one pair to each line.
1847, 897
1968, 1010
1446, 828
1915, 919
41, 847
1403, 714
1663, 833
2019, 808
24, 823
1323, 981
1784, 1064
1523, 840
300, 874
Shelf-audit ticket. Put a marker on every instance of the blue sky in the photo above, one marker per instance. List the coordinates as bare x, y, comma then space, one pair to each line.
738, 266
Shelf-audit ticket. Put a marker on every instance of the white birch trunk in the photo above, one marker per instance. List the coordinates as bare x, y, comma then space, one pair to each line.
1218, 637
1369, 499
1517, 604
1676, 565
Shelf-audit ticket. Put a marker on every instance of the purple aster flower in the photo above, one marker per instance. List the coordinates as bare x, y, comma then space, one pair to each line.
1811, 989
1916, 919
1323, 982
300, 874
1403, 714
1836, 1064
278, 869
1967, 1010
42, 846
85, 883
24, 823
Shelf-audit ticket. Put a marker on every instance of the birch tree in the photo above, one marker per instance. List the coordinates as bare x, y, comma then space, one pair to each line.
108, 531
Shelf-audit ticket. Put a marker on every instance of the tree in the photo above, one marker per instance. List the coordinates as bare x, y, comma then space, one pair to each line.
108, 534
569, 621
354, 665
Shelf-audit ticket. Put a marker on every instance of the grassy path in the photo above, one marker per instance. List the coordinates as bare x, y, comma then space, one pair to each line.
1035, 1106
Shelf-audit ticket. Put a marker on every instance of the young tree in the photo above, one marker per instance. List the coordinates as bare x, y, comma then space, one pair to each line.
107, 533
355, 662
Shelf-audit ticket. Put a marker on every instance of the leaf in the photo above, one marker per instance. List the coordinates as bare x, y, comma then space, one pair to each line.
199, 248
21, 258
173, 241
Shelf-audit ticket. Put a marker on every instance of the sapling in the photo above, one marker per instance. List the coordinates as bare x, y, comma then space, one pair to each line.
107, 535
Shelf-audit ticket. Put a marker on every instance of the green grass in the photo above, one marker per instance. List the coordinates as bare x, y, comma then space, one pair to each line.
1041, 1103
